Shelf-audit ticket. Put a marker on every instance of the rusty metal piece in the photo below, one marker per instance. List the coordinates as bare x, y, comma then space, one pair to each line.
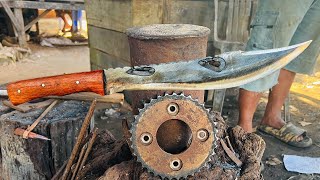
90, 144
231, 155
77, 164
81, 136
60, 171
172, 148
126, 132
32, 135
163, 43
36, 122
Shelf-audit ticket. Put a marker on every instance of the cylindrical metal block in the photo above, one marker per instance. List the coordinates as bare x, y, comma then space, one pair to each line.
163, 43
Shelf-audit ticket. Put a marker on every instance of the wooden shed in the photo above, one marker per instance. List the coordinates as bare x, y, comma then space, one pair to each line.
109, 19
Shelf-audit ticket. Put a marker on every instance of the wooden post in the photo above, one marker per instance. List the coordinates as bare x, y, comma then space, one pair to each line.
35, 158
21, 34
17, 21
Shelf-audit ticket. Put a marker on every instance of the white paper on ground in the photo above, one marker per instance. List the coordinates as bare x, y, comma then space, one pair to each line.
302, 164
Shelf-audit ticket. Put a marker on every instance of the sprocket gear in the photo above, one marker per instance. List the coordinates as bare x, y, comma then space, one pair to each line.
173, 136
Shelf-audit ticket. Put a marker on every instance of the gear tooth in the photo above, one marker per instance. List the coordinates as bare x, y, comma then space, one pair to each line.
207, 165
215, 123
174, 94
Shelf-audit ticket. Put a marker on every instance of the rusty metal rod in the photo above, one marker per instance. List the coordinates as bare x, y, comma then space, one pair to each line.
81, 135
32, 135
60, 171
126, 133
231, 155
83, 150
36, 122
90, 144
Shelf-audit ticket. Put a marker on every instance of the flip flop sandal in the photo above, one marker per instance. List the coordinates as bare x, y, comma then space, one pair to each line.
288, 134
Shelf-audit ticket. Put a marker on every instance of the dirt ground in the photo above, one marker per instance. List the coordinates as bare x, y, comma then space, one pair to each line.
45, 61
305, 99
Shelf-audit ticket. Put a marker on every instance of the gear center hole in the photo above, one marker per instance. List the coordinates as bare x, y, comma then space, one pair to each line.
174, 136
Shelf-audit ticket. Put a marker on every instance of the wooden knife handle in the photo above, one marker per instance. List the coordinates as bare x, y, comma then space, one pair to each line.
26, 90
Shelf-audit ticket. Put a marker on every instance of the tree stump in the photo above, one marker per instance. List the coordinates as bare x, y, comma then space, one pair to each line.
34, 158
3, 110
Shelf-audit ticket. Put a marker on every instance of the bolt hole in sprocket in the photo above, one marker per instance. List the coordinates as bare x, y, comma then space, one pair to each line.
173, 136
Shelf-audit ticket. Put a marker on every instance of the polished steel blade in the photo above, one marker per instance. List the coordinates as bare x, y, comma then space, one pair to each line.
3, 93
240, 68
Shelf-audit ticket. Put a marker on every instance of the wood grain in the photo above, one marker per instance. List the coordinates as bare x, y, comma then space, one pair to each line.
26, 90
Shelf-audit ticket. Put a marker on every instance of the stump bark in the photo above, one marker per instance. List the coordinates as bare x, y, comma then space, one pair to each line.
3, 110
34, 158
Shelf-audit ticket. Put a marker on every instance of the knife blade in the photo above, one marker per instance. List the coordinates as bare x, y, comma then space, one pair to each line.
223, 71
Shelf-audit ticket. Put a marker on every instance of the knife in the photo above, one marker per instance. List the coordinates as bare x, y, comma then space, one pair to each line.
226, 70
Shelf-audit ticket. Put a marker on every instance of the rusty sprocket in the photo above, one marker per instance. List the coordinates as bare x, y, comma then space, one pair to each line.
173, 136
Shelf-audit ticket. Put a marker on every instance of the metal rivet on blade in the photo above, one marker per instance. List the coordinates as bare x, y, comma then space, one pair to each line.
77, 82
19, 91
43, 85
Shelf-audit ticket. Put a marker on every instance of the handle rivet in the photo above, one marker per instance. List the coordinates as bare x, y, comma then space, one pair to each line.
77, 82
43, 85
19, 91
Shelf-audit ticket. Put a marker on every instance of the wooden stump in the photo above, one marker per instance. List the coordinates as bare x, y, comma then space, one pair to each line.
3, 110
34, 158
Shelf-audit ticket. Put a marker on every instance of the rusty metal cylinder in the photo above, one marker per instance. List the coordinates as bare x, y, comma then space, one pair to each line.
163, 43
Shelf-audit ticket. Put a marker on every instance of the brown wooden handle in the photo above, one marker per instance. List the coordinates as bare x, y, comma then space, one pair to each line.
26, 90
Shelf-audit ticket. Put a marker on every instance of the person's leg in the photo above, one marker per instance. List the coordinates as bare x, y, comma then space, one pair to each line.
67, 26
307, 29
277, 96
248, 101
274, 14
